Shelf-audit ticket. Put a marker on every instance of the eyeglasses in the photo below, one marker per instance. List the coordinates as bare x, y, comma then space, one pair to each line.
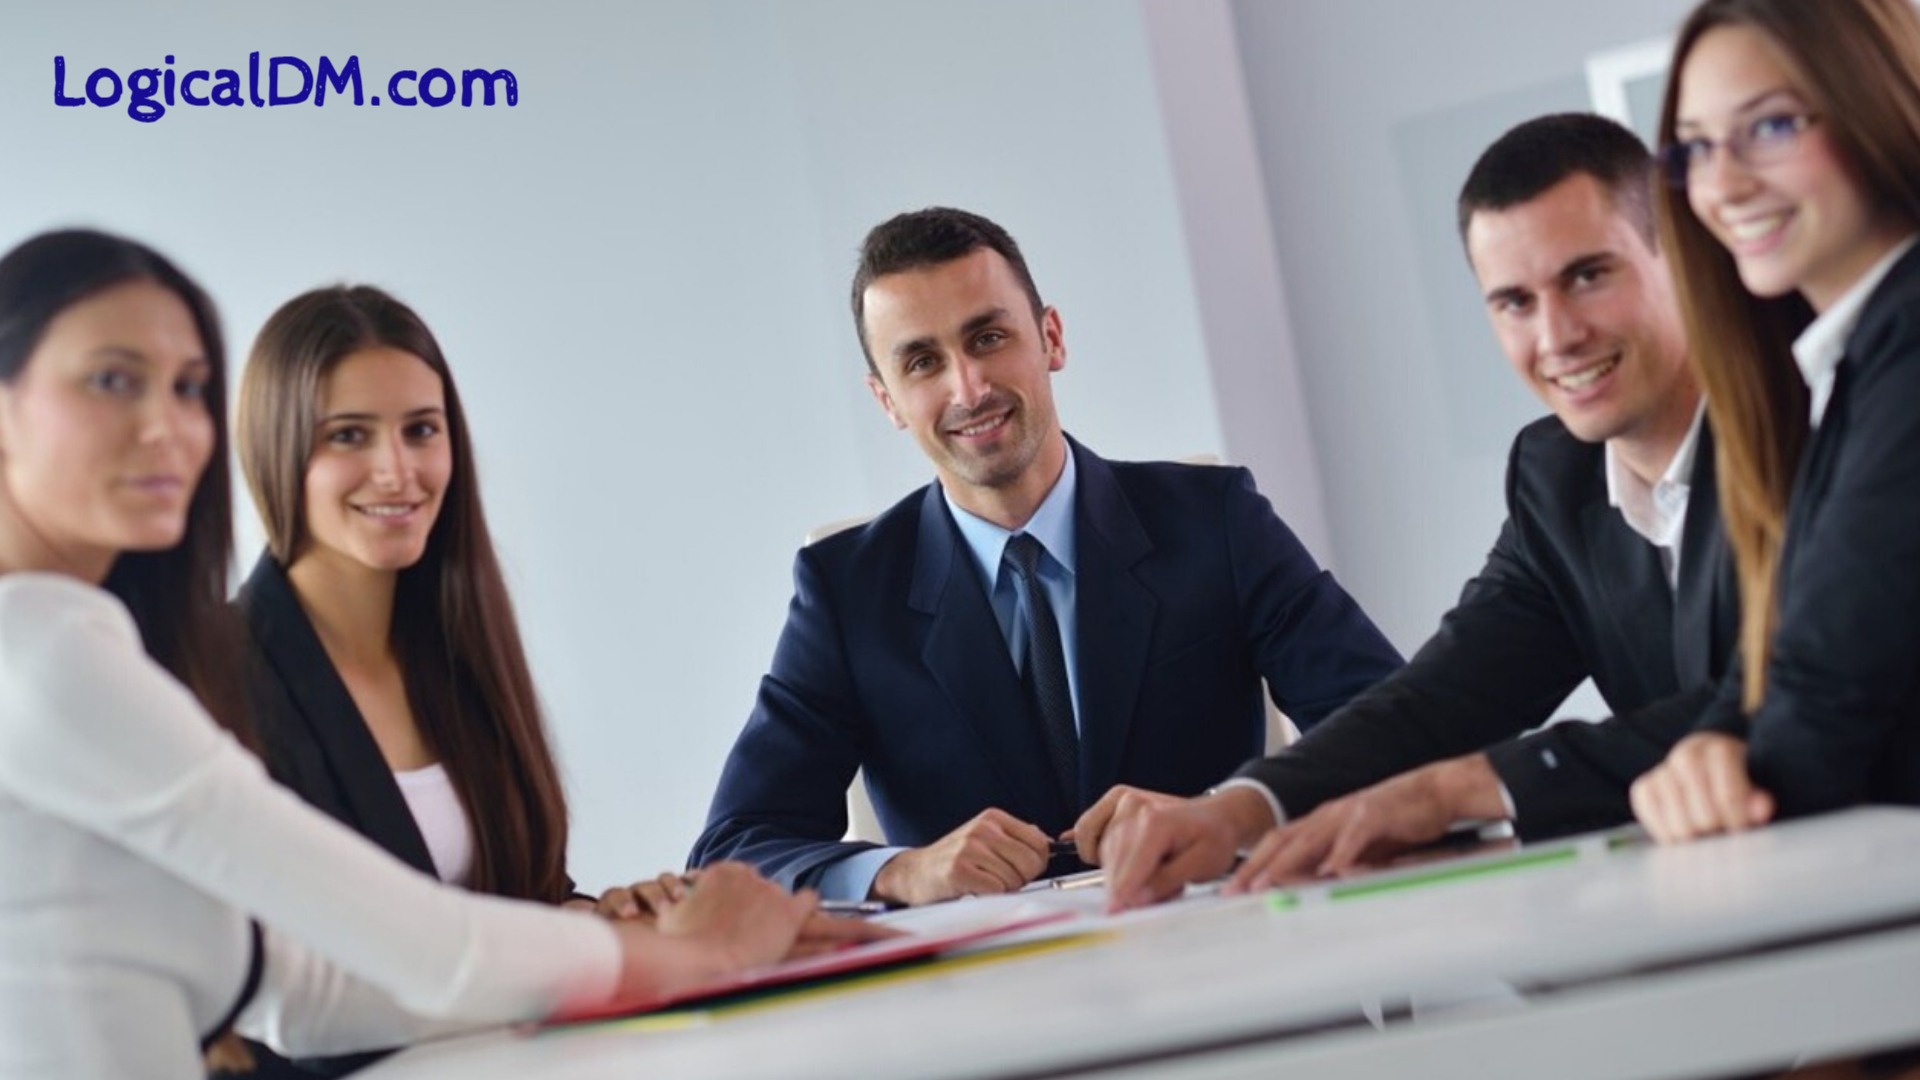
1764, 141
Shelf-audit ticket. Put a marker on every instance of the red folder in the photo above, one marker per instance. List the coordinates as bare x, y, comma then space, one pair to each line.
856, 958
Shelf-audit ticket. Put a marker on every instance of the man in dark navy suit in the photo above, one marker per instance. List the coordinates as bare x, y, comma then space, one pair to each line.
1612, 565
1038, 625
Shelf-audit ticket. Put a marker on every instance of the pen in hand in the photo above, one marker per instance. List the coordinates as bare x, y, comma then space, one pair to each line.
1063, 858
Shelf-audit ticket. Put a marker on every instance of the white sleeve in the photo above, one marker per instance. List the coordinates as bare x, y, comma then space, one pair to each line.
95, 733
307, 1007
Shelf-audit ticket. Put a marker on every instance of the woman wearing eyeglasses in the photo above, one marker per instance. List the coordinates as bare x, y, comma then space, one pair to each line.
1792, 141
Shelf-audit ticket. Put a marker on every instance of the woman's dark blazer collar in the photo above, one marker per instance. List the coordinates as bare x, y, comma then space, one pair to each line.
316, 740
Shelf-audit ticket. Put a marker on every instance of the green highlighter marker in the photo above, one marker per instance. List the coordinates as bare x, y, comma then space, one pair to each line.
1289, 899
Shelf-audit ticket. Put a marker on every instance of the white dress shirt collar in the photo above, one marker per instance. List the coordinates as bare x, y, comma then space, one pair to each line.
1657, 511
1820, 347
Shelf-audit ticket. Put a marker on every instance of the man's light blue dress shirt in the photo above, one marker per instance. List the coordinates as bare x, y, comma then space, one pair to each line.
1052, 524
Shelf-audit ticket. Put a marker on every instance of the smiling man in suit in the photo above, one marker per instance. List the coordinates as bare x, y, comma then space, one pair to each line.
1038, 625
1611, 566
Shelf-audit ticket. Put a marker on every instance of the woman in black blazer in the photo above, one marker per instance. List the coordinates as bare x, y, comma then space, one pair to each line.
1791, 135
385, 670
384, 641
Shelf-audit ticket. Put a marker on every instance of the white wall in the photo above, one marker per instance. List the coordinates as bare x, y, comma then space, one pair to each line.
639, 274
1229, 233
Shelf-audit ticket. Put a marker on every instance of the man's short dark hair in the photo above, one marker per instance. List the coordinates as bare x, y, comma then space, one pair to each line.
929, 237
1539, 154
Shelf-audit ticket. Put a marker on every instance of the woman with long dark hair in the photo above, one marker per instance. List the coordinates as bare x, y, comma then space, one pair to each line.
137, 834
1791, 134
390, 686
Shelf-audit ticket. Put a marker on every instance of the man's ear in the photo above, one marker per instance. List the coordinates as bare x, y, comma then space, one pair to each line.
1055, 338
879, 391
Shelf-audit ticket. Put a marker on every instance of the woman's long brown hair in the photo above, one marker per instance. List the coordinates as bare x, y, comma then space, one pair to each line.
1857, 64
453, 630
177, 596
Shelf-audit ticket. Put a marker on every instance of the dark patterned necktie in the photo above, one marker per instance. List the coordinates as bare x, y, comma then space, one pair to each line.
1044, 668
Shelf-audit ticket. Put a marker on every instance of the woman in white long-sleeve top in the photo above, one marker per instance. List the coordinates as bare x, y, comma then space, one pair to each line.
137, 833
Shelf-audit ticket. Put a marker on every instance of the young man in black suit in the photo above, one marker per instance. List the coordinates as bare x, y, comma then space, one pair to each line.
1005, 644
1611, 565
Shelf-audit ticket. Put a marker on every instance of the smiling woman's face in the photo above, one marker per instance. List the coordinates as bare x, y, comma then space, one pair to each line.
380, 461
1797, 222
105, 432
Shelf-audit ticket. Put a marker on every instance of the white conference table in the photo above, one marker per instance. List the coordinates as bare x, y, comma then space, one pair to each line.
1597, 961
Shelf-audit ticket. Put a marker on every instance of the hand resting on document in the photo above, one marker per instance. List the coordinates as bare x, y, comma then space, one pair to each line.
1375, 824
730, 920
994, 852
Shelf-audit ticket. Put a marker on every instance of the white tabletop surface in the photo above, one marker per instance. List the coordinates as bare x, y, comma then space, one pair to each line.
1214, 980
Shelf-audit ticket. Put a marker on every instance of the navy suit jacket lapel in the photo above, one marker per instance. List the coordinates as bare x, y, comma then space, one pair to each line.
1705, 587
1114, 619
322, 703
968, 658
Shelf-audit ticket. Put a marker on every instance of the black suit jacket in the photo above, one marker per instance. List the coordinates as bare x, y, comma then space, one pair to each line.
1189, 589
316, 743
1840, 722
314, 737
1568, 592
